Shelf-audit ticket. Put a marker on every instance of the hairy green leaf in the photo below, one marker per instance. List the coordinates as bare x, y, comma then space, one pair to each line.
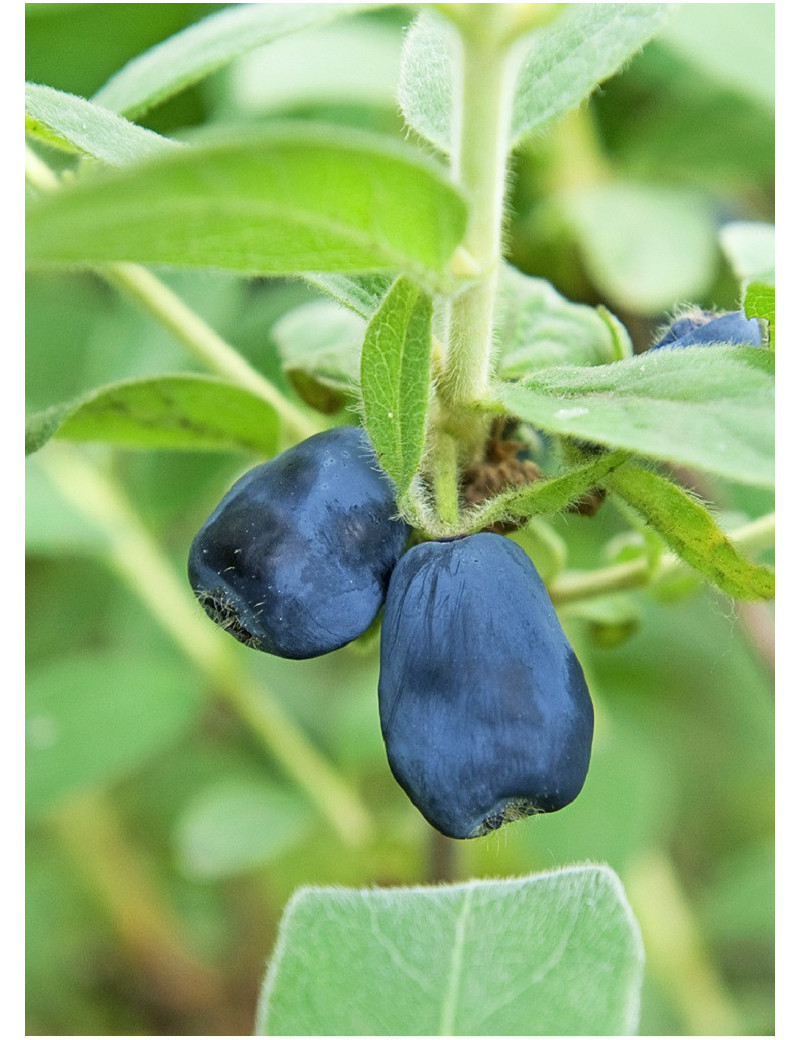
206, 46
425, 89
690, 531
181, 411
566, 60
362, 294
577, 52
395, 380
538, 328
58, 118
553, 954
710, 407
550, 495
283, 201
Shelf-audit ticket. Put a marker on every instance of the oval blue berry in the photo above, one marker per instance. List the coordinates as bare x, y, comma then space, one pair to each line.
484, 708
296, 558
701, 328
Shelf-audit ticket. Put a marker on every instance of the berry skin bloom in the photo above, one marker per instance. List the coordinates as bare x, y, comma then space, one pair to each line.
700, 328
296, 558
484, 709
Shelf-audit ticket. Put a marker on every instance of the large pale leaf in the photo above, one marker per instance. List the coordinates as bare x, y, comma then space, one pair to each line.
321, 341
688, 528
645, 246
553, 954
76, 124
284, 201
181, 412
395, 380
710, 407
206, 46
92, 718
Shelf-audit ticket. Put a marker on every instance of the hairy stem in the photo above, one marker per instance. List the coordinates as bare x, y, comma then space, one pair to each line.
481, 119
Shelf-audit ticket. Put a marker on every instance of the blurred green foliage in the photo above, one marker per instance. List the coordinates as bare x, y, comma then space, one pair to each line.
163, 847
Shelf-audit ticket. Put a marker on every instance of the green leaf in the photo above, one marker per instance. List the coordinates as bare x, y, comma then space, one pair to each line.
553, 954
709, 407
395, 380
321, 341
425, 88
283, 201
644, 246
238, 824
690, 531
181, 412
72, 122
538, 328
566, 60
577, 52
362, 294
750, 249
548, 496
206, 46
90, 719
353, 61
759, 302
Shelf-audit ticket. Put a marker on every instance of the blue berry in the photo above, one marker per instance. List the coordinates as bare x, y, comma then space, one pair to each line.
296, 558
703, 327
484, 709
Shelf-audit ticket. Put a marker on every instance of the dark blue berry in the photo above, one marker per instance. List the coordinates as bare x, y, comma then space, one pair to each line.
703, 327
484, 708
296, 558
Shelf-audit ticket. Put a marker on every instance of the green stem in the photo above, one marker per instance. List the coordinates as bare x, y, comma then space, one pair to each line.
480, 141
137, 558
754, 537
204, 343
209, 348
480, 136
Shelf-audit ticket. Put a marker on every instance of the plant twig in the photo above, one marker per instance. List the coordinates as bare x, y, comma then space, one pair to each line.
572, 586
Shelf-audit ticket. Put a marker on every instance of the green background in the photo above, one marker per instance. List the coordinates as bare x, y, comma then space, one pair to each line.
162, 842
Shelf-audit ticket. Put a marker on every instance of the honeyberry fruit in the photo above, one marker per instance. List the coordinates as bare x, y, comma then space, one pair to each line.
296, 558
699, 328
484, 708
